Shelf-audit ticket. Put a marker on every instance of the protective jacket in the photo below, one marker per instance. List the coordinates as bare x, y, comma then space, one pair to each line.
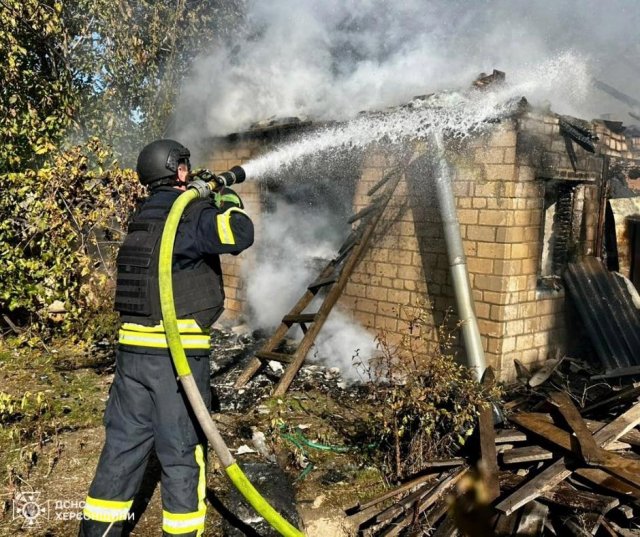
147, 408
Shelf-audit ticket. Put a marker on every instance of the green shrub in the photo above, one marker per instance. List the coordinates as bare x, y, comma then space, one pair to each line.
424, 407
59, 227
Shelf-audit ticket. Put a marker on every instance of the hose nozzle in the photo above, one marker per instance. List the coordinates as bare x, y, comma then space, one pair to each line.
233, 176
206, 182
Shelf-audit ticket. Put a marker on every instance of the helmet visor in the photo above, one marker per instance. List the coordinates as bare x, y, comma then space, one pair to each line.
178, 156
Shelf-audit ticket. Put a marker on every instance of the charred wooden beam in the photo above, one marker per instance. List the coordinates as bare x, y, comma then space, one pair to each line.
487, 437
558, 471
626, 469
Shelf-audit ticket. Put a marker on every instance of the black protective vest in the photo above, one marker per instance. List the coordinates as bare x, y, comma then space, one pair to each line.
197, 283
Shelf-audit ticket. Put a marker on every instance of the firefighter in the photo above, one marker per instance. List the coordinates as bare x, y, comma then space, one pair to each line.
147, 407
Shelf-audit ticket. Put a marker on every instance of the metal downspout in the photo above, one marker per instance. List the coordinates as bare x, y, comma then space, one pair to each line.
458, 265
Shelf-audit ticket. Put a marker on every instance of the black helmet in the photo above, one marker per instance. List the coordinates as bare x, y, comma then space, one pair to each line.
159, 160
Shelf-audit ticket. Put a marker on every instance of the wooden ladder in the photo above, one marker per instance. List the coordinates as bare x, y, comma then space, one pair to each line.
333, 278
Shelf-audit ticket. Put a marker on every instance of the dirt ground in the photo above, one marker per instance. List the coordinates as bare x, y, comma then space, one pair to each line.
51, 410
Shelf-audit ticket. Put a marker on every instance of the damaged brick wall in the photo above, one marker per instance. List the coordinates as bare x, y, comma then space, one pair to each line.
501, 182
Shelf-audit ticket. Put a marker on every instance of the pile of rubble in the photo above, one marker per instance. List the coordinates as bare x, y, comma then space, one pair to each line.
564, 461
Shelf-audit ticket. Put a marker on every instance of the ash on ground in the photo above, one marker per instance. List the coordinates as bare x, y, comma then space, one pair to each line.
233, 349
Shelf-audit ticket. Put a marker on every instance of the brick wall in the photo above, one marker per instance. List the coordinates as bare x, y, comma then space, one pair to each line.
499, 181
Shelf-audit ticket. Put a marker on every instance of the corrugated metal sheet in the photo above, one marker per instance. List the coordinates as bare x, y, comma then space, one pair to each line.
606, 306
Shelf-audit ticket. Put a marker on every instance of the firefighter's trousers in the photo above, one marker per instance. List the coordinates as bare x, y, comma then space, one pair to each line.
148, 409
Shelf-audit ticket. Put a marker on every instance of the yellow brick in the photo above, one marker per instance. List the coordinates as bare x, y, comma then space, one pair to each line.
366, 319
482, 310
509, 234
508, 267
468, 216
489, 155
490, 283
514, 328
354, 289
399, 297
480, 266
386, 323
387, 270
494, 218
489, 328
481, 233
524, 342
367, 305
499, 172
377, 293
402, 257
504, 137
491, 250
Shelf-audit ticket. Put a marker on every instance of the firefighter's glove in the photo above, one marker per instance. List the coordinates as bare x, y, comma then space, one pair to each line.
225, 198
204, 191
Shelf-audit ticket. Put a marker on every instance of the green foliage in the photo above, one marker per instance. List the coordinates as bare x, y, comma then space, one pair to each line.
58, 229
37, 97
423, 407
71, 71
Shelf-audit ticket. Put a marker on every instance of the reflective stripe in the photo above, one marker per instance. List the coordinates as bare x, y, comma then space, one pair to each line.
106, 510
185, 326
225, 233
180, 523
141, 339
191, 335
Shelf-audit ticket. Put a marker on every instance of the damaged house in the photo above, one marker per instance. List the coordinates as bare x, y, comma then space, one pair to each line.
534, 195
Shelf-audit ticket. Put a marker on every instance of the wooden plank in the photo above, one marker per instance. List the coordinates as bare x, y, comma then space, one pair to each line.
487, 434
299, 318
532, 520
526, 454
430, 499
404, 504
506, 525
541, 483
575, 529
590, 451
333, 295
392, 493
618, 427
447, 528
506, 436
626, 469
276, 356
322, 282
565, 495
600, 478
628, 394
255, 364
362, 213
620, 372
569, 497
558, 471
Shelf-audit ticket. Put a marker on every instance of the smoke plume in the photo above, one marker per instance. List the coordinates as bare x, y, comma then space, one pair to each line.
332, 59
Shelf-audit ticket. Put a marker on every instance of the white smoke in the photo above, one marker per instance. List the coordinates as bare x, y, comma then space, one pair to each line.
334, 58
294, 246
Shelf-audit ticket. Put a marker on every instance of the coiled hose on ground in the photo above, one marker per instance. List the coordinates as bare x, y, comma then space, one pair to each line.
233, 471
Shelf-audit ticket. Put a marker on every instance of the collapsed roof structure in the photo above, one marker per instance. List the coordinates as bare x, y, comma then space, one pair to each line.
535, 194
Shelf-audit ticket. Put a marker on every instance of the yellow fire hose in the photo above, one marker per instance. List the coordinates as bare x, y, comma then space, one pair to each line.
235, 474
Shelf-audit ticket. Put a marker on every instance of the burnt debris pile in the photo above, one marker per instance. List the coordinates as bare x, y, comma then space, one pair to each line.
564, 459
